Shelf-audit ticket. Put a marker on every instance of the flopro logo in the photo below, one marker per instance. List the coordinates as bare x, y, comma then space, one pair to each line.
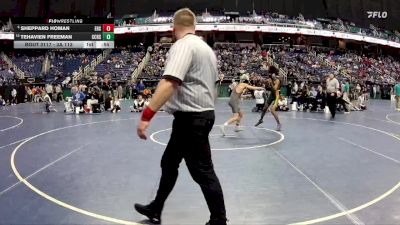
377, 14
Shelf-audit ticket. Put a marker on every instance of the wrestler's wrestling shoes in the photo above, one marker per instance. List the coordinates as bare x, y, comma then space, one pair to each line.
149, 211
258, 123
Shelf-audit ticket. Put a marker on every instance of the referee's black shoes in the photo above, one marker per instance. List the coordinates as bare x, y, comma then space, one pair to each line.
213, 222
149, 211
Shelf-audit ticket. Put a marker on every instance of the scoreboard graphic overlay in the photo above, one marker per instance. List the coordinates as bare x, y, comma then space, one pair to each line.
41, 33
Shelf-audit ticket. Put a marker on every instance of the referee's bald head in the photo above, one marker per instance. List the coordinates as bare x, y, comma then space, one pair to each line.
184, 18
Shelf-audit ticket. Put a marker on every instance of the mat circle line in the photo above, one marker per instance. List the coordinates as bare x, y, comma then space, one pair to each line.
14, 126
120, 221
281, 138
390, 120
363, 206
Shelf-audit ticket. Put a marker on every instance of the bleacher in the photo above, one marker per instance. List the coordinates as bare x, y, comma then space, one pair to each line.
120, 63
65, 63
30, 64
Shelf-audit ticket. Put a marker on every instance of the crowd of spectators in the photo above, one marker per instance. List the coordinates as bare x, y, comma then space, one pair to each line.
311, 63
65, 64
313, 97
306, 68
12, 94
121, 63
234, 60
239, 59
105, 94
155, 66
16, 93
302, 64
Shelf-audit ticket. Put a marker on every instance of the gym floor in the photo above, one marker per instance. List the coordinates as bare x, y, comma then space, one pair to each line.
91, 169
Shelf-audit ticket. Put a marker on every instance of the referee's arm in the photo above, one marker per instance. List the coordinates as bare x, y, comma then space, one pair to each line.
163, 92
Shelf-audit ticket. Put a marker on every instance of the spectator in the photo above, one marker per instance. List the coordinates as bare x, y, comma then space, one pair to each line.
221, 78
135, 92
313, 92
106, 87
107, 101
232, 86
343, 102
147, 101
14, 96
146, 92
115, 105
47, 100
33, 94
138, 104
260, 99
128, 92
21, 93
38, 95
140, 87
59, 93
320, 100
397, 93
283, 104
374, 91
120, 91
29, 94
2, 101
77, 97
49, 90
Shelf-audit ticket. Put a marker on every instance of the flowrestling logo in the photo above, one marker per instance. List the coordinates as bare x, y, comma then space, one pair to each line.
377, 14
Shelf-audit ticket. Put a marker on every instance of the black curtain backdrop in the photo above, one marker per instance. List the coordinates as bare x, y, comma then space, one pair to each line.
350, 10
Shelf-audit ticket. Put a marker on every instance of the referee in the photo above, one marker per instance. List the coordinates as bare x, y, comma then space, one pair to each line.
188, 89
332, 87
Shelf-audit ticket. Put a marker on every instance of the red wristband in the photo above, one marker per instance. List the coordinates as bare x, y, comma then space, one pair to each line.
147, 114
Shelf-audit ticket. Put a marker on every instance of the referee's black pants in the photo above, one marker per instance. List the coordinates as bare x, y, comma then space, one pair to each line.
331, 102
189, 141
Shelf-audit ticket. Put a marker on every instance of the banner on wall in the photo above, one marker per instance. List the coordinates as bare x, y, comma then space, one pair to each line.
260, 28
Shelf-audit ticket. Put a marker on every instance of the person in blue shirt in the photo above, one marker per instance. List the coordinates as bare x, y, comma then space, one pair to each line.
140, 87
77, 97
